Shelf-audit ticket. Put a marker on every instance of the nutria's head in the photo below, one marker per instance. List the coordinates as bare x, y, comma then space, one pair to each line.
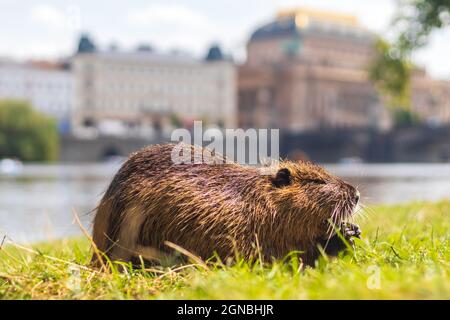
312, 197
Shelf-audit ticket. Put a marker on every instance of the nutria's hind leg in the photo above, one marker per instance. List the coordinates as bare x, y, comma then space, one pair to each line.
125, 246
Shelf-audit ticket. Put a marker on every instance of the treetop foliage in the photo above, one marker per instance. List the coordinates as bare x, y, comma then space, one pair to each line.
25, 133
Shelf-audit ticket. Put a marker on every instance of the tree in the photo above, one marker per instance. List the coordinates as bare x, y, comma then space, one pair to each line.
175, 120
405, 118
391, 75
416, 19
26, 134
391, 68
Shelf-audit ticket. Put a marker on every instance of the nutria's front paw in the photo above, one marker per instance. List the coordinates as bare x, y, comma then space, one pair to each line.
350, 230
335, 244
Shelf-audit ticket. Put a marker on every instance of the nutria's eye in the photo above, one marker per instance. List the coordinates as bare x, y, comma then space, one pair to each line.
282, 178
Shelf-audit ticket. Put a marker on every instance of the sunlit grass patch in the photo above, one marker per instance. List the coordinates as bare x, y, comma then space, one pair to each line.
404, 253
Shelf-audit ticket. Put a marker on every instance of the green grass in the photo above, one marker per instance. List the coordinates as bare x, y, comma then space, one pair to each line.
404, 254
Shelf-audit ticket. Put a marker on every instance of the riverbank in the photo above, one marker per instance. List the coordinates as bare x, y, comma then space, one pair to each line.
37, 203
404, 254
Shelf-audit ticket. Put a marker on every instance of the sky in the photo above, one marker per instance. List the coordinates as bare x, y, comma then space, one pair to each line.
33, 29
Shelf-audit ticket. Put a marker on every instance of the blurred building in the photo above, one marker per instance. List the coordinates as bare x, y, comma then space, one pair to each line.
308, 70
46, 86
141, 93
430, 98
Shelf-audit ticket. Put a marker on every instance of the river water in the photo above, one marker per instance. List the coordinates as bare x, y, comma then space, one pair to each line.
39, 202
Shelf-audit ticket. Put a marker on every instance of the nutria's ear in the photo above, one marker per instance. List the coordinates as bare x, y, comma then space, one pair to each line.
282, 178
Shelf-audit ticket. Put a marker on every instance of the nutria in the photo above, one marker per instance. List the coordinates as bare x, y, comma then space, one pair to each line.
222, 209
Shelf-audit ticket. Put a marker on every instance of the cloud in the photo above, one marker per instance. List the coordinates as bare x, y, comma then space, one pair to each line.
170, 16
49, 16
435, 56
169, 25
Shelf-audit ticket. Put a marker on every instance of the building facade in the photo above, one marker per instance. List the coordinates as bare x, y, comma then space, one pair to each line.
430, 99
47, 87
308, 70
139, 93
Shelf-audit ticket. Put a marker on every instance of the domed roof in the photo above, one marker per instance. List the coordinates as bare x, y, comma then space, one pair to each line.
85, 44
296, 23
214, 54
278, 28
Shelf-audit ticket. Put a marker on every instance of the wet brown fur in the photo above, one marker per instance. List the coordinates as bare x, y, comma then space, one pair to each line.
218, 208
